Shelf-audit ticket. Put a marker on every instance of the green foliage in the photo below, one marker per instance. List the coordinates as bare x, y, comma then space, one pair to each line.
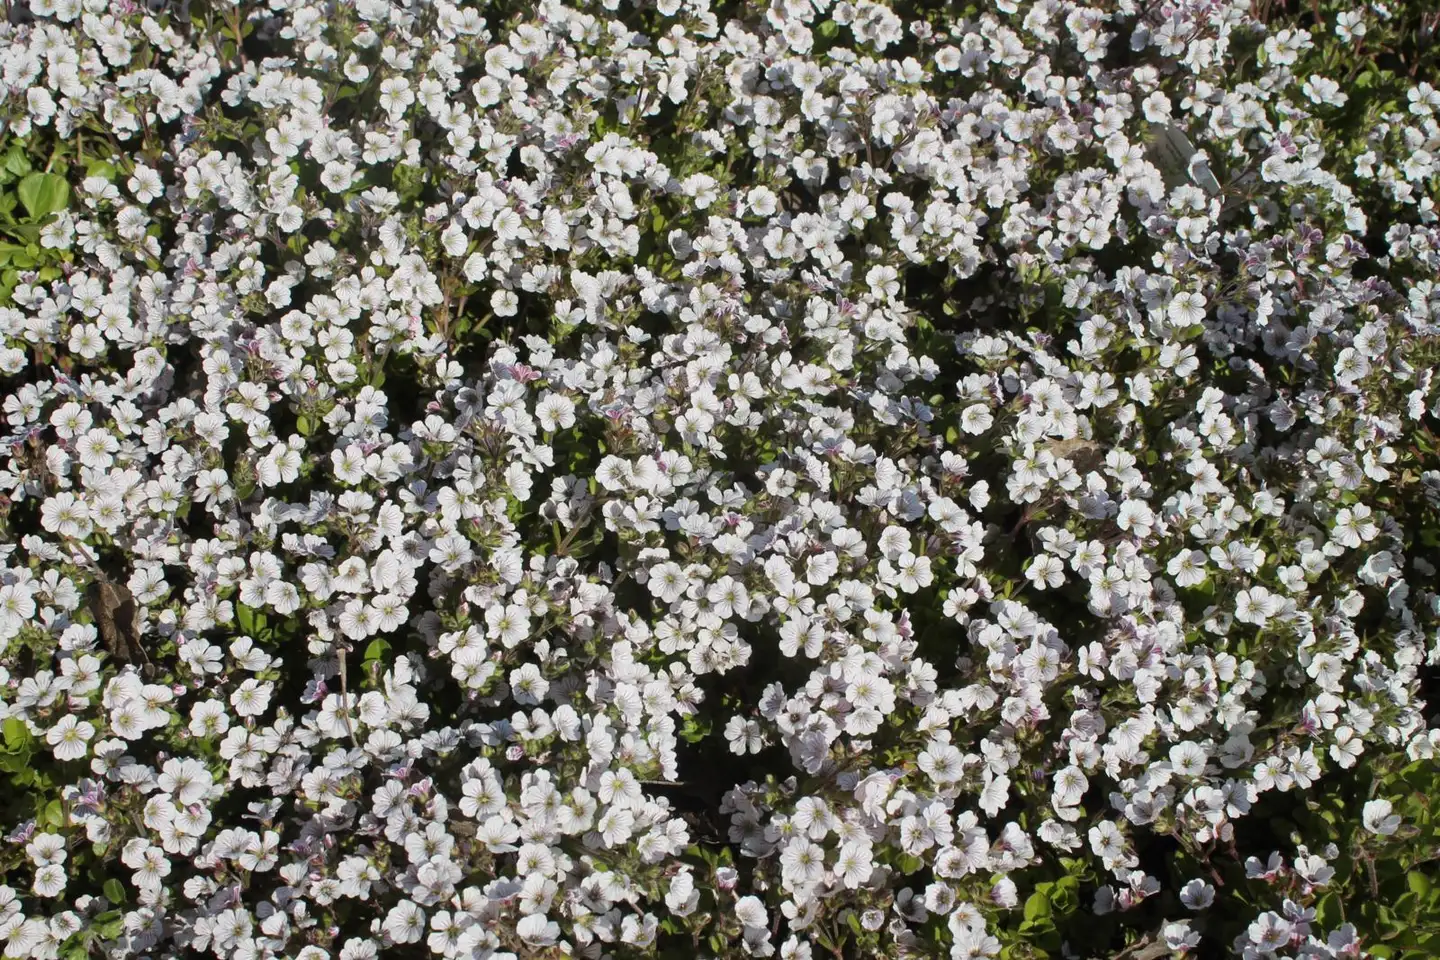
29, 197
43, 194
15, 759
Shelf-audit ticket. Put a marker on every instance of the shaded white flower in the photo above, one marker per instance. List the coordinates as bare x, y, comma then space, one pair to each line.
1378, 818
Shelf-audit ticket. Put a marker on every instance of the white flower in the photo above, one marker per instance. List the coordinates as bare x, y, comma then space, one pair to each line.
913, 572
1270, 932
528, 684
504, 303
1046, 570
1188, 759
65, 515
508, 624
744, 736
1256, 606
751, 912
943, 762
252, 697
69, 737
802, 862
555, 412
667, 581
1070, 785
1187, 567
538, 930
45, 849
187, 779
615, 826
49, 881
1136, 517
1107, 841
395, 95
1187, 308
1197, 894
1378, 819
1324, 91
405, 923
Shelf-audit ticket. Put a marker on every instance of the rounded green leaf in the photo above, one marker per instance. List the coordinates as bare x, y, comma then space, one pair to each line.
1037, 906
43, 194
1418, 882
16, 162
16, 733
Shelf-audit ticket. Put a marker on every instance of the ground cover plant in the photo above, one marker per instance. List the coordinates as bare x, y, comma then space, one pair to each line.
696, 479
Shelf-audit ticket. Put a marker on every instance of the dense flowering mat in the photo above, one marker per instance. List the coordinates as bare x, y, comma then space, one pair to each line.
684, 480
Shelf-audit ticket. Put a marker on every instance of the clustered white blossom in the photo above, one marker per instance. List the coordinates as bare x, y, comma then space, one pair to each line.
599, 476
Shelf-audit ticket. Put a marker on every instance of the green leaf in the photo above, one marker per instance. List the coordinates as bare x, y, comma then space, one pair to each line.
251, 621
54, 814
108, 924
16, 733
29, 232
376, 650
114, 891
1037, 928
1037, 906
17, 162
694, 729
18, 763
828, 29
1065, 897
1419, 883
1402, 908
43, 194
